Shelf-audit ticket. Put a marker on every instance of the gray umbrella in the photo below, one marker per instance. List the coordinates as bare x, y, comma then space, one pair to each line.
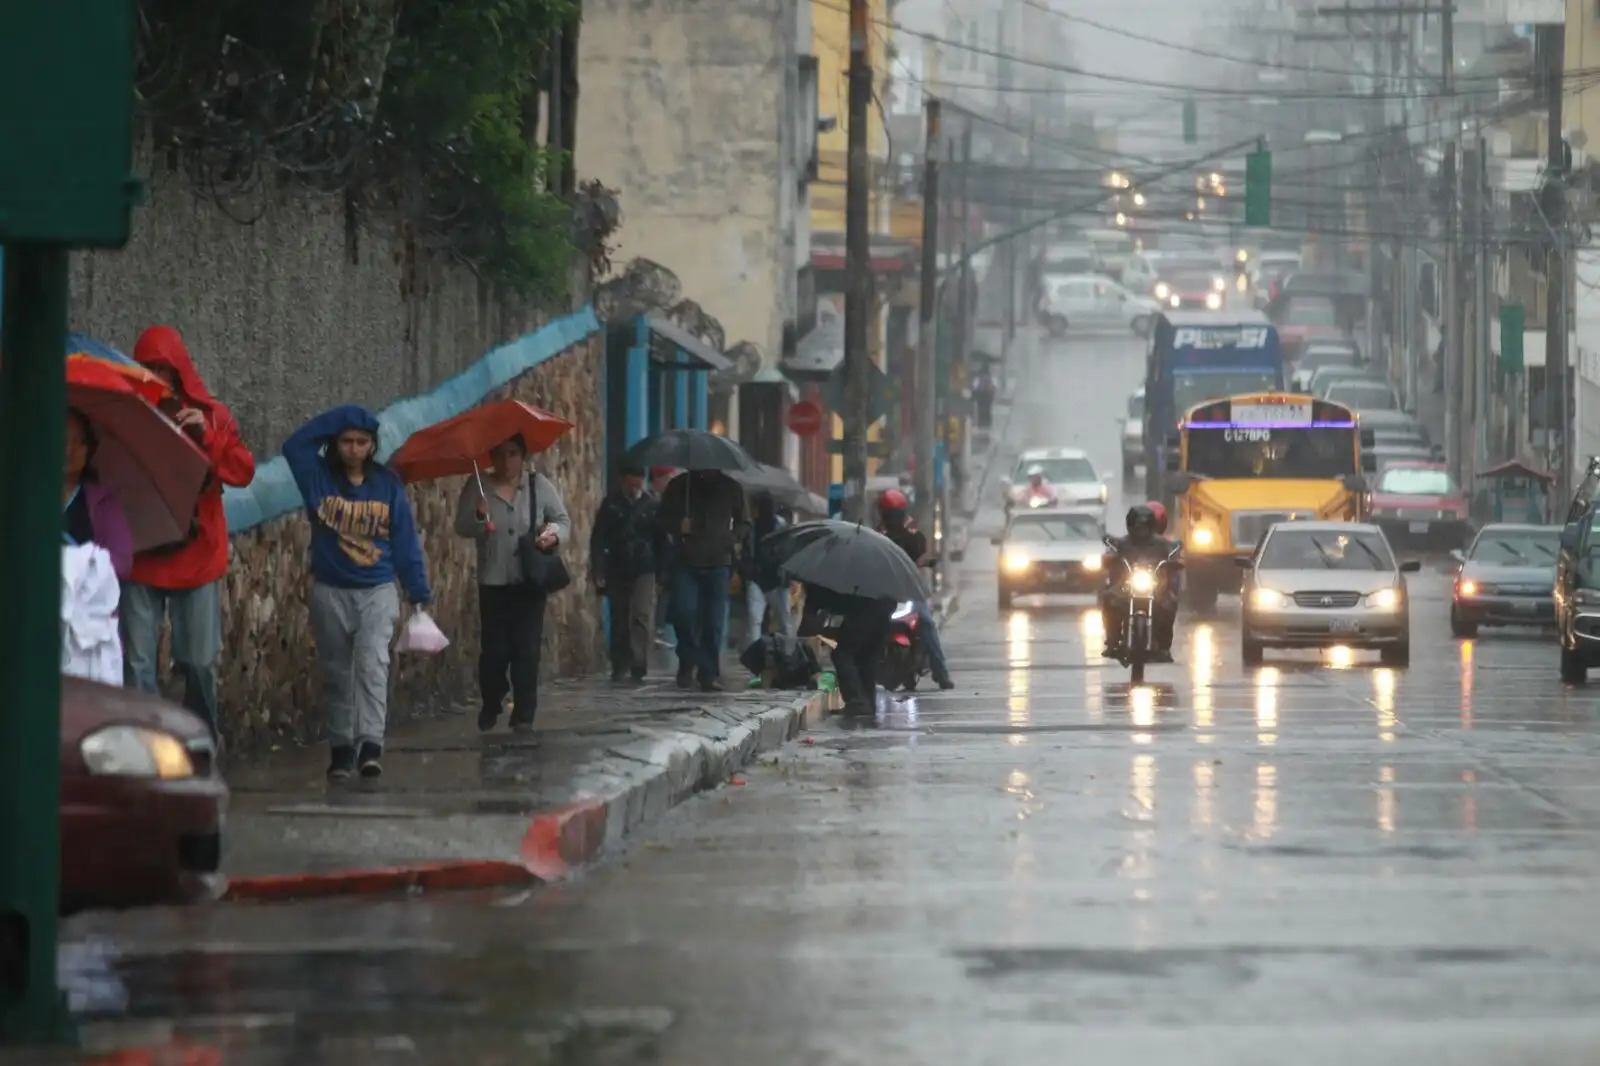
847, 558
782, 486
689, 449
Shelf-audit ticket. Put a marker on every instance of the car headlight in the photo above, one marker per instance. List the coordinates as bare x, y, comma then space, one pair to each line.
1467, 588
1214, 301
1268, 599
1385, 599
1105, 493
1219, 283
1174, 300
1141, 581
1093, 563
1202, 538
1163, 290
1015, 562
1241, 256
132, 751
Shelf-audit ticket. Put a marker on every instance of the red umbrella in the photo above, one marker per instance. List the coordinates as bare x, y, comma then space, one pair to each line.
156, 470
461, 445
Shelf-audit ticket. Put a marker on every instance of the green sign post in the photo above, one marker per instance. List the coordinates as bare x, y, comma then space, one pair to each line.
66, 181
1511, 328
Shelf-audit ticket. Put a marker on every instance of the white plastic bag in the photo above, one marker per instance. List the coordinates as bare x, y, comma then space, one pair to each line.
421, 635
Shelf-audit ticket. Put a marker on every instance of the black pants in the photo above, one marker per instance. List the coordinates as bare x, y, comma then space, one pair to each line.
511, 628
860, 647
984, 402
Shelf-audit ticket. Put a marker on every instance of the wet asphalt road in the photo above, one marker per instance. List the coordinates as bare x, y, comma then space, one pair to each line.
1319, 861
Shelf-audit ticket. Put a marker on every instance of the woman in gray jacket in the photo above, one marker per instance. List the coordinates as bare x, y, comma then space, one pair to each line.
510, 612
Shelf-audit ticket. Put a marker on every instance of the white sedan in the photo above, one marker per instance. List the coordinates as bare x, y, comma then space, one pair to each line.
1090, 301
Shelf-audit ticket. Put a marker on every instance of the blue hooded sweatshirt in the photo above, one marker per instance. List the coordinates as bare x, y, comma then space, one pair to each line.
362, 536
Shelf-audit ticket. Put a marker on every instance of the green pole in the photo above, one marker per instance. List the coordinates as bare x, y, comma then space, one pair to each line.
33, 403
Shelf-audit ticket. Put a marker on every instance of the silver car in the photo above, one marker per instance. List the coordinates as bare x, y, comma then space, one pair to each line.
1507, 577
1323, 584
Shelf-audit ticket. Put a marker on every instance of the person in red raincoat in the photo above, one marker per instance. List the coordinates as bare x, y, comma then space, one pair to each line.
183, 581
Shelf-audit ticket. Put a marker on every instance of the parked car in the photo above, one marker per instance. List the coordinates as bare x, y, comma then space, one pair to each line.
1506, 577
1421, 502
142, 802
1049, 551
1133, 433
1323, 378
1320, 584
1364, 395
1089, 301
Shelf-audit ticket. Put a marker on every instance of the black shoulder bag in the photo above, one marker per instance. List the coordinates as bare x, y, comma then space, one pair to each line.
541, 569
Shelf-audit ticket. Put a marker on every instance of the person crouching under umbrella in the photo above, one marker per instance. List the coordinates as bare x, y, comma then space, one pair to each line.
859, 643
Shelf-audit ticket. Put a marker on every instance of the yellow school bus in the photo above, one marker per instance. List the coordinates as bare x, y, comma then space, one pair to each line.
1248, 461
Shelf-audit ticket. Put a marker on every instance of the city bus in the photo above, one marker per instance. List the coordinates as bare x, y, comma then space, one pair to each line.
1242, 463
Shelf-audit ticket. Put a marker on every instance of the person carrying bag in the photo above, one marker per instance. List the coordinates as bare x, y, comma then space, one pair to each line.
518, 522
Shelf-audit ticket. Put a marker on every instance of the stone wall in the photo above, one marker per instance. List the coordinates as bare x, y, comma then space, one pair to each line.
295, 312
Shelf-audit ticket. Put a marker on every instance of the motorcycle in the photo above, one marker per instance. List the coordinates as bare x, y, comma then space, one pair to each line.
1141, 584
905, 657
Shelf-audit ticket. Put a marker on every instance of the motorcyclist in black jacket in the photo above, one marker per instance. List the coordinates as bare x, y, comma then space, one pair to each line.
1142, 544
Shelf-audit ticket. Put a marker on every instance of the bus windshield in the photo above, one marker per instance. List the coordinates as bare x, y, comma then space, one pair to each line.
1313, 452
1191, 390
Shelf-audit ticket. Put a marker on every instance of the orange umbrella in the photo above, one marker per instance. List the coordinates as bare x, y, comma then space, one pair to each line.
461, 445
84, 367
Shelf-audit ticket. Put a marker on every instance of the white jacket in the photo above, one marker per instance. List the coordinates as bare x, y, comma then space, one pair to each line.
90, 644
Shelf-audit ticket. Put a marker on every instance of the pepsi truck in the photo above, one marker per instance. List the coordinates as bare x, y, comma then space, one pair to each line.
1195, 357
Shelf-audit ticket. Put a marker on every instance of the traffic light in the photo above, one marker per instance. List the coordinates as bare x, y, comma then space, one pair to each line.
1191, 122
1258, 188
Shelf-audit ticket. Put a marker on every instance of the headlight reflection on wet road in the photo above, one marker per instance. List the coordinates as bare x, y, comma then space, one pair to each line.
1205, 785
1267, 706
1266, 802
1468, 672
1093, 627
1388, 809
1202, 656
1020, 635
1383, 681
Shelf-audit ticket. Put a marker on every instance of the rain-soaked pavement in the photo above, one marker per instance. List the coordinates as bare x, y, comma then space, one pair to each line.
1319, 861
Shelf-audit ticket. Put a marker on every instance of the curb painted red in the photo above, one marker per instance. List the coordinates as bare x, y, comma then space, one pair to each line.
422, 876
561, 840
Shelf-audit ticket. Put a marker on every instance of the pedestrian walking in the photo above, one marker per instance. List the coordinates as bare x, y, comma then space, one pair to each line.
511, 504
182, 582
705, 511
660, 478
983, 390
765, 585
363, 537
626, 549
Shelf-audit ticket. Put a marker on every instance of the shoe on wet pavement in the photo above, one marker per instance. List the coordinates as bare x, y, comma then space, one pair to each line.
711, 684
944, 682
370, 761
342, 762
487, 718
686, 679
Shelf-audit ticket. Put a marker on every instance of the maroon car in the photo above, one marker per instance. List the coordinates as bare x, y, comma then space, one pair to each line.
142, 804
1305, 319
1418, 502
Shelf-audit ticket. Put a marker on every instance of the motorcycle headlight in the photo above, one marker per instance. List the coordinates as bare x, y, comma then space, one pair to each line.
1163, 290
1385, 599
131, 751
1214, 301
1219, 283
1015, 562
1142, 581
904, 610
1268, 599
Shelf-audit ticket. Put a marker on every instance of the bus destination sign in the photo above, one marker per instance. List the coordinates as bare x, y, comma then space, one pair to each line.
1271, 414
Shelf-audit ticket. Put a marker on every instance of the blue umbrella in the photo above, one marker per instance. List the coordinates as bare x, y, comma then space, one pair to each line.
77, 342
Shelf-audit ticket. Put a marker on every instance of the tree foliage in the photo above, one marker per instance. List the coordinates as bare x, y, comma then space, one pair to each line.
427, 108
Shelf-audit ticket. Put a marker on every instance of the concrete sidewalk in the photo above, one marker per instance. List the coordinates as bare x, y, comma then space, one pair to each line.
456, 808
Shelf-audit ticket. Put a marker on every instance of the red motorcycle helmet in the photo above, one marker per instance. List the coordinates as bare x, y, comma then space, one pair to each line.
1160, 513
893, 500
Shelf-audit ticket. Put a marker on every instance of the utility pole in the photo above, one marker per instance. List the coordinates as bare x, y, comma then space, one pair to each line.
927, 317
857, 269
1485, 378
957, 385
1551, 41
1451, 349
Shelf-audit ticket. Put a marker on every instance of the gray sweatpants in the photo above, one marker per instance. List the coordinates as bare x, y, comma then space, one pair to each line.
353, 629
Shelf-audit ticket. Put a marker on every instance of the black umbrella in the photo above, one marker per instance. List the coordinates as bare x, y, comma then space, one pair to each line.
689, 449
782, 486
847, 558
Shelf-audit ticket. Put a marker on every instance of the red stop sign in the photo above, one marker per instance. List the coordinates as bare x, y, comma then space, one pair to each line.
804, 419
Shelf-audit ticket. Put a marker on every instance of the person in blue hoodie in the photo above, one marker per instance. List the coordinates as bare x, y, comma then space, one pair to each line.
363, 537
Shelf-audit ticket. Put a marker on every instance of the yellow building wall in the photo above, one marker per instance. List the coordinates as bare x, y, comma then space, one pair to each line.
830, 29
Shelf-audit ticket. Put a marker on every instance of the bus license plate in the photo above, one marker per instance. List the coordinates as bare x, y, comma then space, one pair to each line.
1344, 625
1419, 527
